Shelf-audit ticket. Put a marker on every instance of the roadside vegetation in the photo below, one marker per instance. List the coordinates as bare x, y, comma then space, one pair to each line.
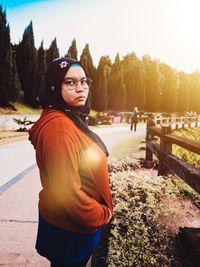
19, 108
191, 158
149, 210
12, 136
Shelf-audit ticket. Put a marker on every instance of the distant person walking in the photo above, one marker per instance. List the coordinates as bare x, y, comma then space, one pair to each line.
134, 119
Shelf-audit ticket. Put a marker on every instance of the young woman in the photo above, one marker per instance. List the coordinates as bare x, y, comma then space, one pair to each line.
75, 200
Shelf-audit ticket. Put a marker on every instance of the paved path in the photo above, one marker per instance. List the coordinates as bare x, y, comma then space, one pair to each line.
15, 158
18, 203
18, 158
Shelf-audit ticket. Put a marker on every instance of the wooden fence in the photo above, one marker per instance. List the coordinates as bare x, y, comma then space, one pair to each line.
163, 151
178, 122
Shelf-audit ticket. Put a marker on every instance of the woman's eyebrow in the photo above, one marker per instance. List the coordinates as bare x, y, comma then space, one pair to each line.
75, 78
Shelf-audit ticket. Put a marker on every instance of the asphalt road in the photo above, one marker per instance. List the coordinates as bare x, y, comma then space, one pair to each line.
19, 158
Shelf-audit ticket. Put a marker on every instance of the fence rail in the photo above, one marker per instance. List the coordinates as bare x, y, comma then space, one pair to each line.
163, 151
179, 122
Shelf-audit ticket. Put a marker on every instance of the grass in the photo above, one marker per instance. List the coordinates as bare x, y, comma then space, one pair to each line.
132, 147
21, 109
12, 136
186, 155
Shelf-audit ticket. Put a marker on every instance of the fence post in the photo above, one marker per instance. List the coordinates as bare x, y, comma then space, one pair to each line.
196, 121
177, 123
183, 123
165, 148
148, 163
189, 122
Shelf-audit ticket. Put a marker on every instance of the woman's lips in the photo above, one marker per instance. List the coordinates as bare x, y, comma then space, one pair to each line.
81, 98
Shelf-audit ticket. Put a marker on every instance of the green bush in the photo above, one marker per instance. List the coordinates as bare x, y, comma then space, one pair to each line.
135, 236
99, 119
184, 154
92, 121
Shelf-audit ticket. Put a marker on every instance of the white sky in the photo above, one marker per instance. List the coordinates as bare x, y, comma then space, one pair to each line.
168, 30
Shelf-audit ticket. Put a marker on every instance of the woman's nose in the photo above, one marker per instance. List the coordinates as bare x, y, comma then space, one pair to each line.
79, 87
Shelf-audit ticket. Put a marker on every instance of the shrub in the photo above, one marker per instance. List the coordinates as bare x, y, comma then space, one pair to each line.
136, 237
92, 121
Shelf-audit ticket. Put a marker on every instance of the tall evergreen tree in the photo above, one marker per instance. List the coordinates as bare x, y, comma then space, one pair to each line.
116, 86
100, 92
16, 90
27, 65
41, 70
52, 53
5, 59
183, 93
73, 52
87, 62
152, 84
9, 89
134, 81
169, 88
195, 92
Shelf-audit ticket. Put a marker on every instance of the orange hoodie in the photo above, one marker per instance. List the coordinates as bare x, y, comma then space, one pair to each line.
75, 191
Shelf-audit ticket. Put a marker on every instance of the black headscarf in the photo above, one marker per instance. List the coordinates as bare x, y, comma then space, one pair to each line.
51, 98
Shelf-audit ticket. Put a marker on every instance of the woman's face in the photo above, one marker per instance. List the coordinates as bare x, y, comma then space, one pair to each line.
74, 89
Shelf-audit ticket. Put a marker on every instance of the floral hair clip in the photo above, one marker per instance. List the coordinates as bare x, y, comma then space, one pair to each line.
63, 64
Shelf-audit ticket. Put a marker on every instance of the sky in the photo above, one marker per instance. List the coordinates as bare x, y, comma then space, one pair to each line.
166, 30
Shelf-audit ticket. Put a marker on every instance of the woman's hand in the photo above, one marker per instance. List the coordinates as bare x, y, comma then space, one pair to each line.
110, 216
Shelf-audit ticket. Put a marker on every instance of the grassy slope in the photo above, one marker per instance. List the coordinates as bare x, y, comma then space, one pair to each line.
21, 109
132, 147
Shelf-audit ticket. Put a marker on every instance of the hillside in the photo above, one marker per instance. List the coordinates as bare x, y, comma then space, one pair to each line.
19, 108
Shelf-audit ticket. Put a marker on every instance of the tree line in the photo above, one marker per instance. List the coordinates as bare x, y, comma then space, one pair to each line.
146, 83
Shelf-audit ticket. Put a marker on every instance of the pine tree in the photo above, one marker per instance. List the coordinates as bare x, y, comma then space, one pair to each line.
87, 62
41, 71
134, 81
195, 92
183, 93
52, 53
152, 80
26, 64
169, 88
9, 86
100, 92
116, 86
16, 91
73, 52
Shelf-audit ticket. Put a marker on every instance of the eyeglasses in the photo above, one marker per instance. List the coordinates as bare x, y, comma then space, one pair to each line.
72, 83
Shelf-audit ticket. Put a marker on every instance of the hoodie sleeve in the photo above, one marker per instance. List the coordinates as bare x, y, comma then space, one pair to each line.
61, 163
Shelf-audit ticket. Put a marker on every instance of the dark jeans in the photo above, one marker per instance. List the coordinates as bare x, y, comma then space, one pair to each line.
135, 125
80, 264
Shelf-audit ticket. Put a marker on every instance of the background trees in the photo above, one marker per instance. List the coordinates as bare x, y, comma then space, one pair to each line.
117, 94
169, 88
73, 52
27, 65
52, 52
120, 85
100, 87
134, 81
9, 81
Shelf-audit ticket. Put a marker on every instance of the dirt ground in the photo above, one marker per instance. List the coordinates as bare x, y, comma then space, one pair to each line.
180, 212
